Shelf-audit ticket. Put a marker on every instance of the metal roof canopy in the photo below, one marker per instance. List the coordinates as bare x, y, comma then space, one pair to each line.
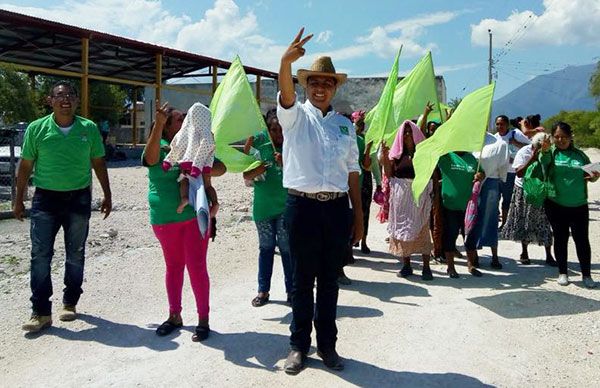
41, 46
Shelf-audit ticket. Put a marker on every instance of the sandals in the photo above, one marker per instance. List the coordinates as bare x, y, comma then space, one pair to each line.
200, 333
452, 274
260, 301
426, 274
167, 327
525, 259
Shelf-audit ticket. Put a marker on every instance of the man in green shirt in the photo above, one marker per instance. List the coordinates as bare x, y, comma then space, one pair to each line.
61, 149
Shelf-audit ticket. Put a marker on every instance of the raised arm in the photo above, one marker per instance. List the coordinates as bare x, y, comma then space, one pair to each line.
152, 149
291, 55
426, 112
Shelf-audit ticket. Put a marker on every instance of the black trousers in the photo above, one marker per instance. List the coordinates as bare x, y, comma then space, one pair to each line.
577, 220
318, 233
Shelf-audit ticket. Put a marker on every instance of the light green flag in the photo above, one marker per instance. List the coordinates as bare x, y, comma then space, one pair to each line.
235, 117
412, 94
464, 131
381, 118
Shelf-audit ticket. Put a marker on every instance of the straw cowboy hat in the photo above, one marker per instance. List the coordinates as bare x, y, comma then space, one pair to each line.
321, 67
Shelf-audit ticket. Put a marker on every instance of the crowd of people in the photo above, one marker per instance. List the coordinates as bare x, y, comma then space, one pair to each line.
312, 199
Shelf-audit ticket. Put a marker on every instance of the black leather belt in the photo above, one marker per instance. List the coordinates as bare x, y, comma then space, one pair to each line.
320, 196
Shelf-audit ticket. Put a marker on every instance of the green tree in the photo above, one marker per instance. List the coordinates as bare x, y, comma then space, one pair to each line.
454, 102
16, 97
595, 84
585, 125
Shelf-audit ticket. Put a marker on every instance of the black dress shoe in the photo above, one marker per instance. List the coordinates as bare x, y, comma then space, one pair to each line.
331, 359
294, 362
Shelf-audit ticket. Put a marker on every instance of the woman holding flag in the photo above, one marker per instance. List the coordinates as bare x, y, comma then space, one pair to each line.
408, 222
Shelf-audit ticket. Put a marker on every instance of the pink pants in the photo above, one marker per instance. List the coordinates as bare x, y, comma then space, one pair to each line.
183, 246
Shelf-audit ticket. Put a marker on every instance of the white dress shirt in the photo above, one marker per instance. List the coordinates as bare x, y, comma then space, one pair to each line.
318, 151
494, 157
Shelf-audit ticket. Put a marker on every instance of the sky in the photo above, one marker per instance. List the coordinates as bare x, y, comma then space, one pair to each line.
530, 37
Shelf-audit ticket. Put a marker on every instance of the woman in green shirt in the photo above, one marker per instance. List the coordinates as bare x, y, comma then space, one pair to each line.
178, 233
568, 210
459, 171
268, 208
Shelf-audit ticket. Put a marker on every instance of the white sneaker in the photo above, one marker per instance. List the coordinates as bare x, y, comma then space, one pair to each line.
589, 282
563, 279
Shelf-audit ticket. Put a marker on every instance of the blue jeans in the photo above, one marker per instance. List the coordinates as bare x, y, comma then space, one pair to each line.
49, 211
270, 233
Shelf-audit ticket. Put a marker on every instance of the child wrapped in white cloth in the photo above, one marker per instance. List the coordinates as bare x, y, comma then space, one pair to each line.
193, 150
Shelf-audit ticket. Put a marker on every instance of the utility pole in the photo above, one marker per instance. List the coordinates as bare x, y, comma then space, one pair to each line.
490, 61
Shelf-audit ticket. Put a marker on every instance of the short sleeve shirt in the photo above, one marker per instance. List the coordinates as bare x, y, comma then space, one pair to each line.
568, 177
269, 195
163, 192
521, 159
318, 151
457, 179
62, 162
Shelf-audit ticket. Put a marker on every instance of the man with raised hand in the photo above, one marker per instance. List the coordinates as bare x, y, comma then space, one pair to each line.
320, 170
60, 149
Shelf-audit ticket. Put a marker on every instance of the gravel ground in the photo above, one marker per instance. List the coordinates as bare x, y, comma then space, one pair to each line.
508, 328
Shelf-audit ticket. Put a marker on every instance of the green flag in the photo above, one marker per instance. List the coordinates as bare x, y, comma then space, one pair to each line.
381, 117
412, 94
235, 117
464, 131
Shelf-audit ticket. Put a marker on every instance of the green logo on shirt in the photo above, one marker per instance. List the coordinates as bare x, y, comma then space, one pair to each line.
344, 130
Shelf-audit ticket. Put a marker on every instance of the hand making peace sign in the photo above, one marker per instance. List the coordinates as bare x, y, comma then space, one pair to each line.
296, 49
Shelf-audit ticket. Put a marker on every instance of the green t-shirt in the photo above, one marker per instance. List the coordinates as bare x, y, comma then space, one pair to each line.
457, 179
163, 192
269, 195
62, 162
568, 177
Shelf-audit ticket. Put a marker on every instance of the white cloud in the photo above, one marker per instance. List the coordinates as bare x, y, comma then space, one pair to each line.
324, 36
563, 22
225, 30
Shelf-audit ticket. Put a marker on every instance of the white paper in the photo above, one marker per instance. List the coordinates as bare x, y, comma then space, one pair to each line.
199, 202
591, 168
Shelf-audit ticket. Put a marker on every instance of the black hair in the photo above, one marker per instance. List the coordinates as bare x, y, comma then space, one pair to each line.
168, 122
516, 122
433, 122
534, 120
64, 83
566, 128
503, 118
270, 116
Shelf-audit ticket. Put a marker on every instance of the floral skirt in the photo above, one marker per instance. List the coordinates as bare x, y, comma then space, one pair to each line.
525, 222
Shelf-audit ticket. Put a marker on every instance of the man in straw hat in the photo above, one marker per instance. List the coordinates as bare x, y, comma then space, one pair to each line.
320, 169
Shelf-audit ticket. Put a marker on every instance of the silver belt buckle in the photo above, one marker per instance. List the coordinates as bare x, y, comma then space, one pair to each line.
321, 196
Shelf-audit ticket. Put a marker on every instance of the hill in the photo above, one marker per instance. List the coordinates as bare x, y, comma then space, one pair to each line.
548, 94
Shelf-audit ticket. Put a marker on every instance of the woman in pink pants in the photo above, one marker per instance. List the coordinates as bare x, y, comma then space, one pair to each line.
178, 232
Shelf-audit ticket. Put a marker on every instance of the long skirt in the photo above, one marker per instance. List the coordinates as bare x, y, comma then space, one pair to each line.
408, 224
526, 223
485, 232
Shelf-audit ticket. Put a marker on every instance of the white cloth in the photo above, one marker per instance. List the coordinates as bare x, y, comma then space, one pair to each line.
199, 201
193, 147
512, 149
521, 159
65, 130
318, 152
494, 157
